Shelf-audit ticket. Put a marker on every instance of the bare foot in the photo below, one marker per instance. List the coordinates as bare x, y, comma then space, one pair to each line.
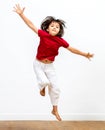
42, 92
56, 115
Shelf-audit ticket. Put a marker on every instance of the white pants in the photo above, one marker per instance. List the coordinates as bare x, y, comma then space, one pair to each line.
45, 74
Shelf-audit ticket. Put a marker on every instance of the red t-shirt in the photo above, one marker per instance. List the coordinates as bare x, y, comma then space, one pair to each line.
49, 45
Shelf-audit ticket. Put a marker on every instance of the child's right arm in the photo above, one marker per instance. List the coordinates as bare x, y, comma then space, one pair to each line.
20, 11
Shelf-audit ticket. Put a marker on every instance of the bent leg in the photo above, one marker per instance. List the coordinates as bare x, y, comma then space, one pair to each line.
41, 76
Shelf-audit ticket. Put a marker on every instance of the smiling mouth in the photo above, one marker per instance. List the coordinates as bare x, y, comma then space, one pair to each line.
54, 30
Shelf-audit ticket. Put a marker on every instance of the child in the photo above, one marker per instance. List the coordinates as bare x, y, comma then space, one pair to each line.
50, 40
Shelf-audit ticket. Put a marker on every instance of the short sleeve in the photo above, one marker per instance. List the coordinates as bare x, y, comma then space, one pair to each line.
63, 42
42, 33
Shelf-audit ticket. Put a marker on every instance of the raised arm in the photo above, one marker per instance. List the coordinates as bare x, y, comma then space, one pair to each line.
20, 12
75, 51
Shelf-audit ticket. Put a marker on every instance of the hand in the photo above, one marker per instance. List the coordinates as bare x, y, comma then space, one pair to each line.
88, 55
18, 9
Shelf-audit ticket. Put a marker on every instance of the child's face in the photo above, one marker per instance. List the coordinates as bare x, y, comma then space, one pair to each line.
53, 28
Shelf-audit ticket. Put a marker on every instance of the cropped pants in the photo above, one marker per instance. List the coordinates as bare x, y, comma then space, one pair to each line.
46, 76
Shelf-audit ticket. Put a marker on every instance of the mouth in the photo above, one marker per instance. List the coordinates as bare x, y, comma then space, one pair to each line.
53, 30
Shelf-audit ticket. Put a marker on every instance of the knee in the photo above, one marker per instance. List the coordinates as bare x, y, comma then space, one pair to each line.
55, 91
44, 84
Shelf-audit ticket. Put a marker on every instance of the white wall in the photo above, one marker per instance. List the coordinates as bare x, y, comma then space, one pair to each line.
82, 82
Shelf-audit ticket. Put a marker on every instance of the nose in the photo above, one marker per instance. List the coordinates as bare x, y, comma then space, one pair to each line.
54, 27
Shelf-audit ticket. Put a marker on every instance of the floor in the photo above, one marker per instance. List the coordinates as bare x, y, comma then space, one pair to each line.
52, 125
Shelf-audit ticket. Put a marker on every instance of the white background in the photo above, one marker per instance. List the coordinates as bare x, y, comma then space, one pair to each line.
82, 82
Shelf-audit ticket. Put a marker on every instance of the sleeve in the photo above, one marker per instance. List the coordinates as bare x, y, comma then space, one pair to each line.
42, 33
64, 43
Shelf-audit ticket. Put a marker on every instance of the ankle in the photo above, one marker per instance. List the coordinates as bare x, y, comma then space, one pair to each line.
55, 109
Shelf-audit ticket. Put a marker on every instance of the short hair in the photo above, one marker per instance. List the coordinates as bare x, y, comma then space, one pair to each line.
46, 22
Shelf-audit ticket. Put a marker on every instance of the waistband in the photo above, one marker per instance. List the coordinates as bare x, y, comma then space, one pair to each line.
45, 61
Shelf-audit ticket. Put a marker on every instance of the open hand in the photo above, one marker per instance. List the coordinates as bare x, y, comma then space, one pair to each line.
18, 9
88, 55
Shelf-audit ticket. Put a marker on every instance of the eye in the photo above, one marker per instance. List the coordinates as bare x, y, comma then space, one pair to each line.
57, 27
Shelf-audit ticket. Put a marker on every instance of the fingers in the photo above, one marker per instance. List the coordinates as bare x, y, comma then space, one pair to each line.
18, 9
90, 56
17, 6
23, 8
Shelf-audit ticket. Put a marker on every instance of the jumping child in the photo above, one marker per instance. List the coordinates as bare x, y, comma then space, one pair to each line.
51, 40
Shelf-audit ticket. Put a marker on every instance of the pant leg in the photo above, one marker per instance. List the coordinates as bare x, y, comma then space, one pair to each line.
53, 88
40, 74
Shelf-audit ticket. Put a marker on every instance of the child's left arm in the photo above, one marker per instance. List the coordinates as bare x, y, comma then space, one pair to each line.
76, 51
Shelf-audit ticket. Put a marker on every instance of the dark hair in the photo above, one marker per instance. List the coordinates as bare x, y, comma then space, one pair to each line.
46, 22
